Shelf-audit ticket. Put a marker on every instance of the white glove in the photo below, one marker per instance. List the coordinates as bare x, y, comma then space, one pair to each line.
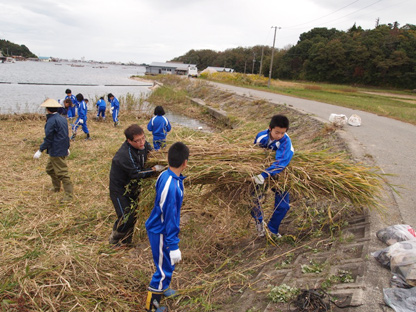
81, 121
111, 109
159, 168
258, 179
175, 256
37, 155
69, 153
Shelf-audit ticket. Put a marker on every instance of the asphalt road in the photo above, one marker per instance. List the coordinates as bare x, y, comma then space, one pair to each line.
380, 141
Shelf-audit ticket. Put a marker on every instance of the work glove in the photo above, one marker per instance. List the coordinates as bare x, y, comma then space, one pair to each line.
175, 256
81, 121
111, 110
258, 179
37, 155
159, 168
69, 152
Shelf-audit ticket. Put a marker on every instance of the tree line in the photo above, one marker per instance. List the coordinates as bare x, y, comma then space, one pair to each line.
383, 56
9, 48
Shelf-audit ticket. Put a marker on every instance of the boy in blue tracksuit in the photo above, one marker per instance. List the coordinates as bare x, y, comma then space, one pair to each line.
276, 139
163, 226
159, 126
115, 108
101, 105
70, 96
71, 110
82, 117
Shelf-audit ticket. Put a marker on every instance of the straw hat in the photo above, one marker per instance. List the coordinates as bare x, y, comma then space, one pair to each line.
50, 103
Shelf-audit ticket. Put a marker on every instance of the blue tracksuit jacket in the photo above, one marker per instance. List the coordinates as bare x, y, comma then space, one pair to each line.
163, 227
159, 126
284, 151
74, 105
165, 216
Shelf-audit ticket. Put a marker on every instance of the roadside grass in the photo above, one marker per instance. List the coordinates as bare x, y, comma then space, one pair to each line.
383, 102
56, 257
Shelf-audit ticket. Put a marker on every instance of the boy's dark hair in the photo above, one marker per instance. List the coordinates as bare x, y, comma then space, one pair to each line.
133, 130
110, 95
79, 97
177, 154
102, 98
53, 109
159, 111
280, 121
68, 101
67, 91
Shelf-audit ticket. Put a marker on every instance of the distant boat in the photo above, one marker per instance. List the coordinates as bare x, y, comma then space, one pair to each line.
73, 65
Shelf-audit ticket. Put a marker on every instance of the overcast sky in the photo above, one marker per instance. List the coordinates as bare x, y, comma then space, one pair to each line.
144, 31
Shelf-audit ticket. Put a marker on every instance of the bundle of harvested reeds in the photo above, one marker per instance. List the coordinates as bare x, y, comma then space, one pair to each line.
311, 174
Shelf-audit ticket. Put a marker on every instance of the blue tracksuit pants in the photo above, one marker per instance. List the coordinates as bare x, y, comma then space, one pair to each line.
281, 207
162, 277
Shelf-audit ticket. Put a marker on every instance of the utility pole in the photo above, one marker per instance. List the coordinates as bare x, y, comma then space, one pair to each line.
271, 61
254, 61
261, 60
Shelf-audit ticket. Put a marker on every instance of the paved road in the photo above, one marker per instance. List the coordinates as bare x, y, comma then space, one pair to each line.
391, 144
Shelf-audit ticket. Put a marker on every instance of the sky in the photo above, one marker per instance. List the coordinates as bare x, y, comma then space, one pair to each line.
145, 31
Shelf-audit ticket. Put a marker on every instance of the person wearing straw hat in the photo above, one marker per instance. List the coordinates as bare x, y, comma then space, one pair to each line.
163, 226
56, 144
276, 139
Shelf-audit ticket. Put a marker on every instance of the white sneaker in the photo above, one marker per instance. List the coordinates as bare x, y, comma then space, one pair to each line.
275, 236
260, 229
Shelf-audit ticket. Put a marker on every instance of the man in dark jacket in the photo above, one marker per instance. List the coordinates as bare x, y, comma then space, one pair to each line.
56, 144
127, 168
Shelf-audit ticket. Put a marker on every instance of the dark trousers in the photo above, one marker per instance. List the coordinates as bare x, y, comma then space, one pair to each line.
125, 206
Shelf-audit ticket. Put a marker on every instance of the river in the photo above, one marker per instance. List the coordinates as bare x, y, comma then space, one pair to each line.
25, 85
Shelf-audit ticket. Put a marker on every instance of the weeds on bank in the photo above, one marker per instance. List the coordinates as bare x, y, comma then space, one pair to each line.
56, 257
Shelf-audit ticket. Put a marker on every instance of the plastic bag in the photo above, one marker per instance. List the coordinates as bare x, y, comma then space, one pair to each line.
354, 120
400, 258
400, 300
338, 120
396, 233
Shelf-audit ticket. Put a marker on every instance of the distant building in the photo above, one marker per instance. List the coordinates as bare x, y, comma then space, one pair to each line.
212, 69
45, 58
169, 68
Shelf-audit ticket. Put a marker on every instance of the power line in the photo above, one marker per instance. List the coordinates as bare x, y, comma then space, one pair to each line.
316, 19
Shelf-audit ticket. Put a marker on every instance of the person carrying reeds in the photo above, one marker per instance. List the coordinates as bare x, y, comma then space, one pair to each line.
276, 139
56, 143
163, 226
127, 169
159, 126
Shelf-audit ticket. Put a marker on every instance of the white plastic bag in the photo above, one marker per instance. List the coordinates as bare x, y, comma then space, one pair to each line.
338, 120
396, 233
401, 259
354, 120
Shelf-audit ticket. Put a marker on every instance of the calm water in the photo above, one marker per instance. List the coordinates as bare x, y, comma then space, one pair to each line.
25, 85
